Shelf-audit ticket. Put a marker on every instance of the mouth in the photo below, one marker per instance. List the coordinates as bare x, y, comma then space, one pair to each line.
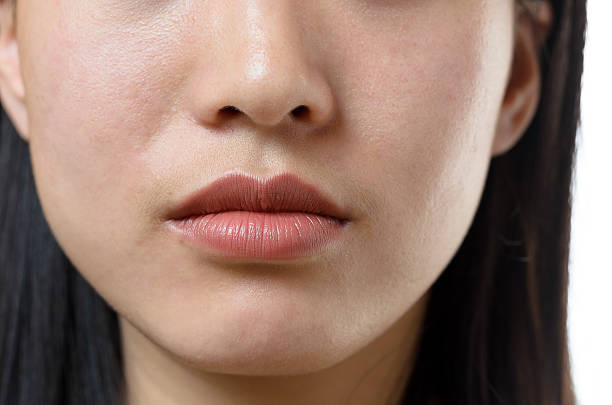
240, 216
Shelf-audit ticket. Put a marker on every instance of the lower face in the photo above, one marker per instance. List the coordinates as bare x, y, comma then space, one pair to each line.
114, 90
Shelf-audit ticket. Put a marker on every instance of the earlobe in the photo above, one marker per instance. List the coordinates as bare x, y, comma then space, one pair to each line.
12, 90
523, 90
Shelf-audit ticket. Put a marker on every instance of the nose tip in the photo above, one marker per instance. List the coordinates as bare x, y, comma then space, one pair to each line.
268, 101
270, 107
267, 79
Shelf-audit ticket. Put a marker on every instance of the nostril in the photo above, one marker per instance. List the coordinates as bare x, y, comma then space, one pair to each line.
300, 111
229, 109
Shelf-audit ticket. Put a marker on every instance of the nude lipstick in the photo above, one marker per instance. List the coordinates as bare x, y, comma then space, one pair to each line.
242, 216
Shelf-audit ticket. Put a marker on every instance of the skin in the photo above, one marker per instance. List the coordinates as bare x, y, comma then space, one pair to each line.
409, 101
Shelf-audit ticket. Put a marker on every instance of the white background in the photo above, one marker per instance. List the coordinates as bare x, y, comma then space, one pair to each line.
590, 295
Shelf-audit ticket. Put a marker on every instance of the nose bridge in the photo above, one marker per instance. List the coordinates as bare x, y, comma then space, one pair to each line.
266, 35
265, 72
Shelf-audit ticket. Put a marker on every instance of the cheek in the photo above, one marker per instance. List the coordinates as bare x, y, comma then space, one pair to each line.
423, 119
95, 105
102, 91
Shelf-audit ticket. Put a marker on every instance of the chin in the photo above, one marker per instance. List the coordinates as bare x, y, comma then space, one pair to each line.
251, 343
278, 354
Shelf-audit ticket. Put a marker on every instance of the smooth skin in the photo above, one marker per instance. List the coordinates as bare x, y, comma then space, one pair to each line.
407, 103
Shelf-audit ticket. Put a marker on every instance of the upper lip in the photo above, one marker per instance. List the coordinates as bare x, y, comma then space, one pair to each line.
236, 191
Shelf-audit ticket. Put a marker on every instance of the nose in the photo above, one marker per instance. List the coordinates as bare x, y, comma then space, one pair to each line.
262, 69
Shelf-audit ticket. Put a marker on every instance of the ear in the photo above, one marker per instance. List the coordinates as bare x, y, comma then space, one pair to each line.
532, 24
12, 91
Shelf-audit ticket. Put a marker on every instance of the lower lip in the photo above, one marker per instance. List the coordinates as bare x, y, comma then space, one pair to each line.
264, 235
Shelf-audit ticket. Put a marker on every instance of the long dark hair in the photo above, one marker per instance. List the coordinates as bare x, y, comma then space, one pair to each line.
495, 330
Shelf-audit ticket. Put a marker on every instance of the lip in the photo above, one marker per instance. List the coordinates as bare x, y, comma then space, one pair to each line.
244, 216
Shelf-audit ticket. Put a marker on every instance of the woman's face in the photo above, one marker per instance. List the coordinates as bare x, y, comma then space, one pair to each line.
123, 122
